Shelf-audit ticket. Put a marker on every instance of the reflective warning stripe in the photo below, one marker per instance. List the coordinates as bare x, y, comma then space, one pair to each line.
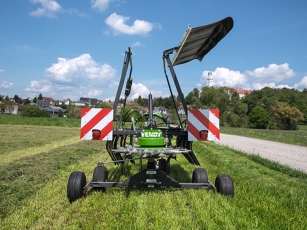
203, 119
101, 119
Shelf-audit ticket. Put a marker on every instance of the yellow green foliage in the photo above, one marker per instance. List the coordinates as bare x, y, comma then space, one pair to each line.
286, 117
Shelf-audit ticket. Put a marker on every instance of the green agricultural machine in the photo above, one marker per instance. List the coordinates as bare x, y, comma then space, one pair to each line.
155, 142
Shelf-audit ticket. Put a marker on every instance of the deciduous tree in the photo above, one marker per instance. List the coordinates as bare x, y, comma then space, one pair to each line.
258, 118
286, 117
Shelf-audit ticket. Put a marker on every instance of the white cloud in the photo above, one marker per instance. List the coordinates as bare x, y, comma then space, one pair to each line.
273, 73
258, 86
41, 86
253, 79
100, 5
94, 93
6, 85
225, 77
139, 90
49, 8
74, 78
135, 44
75, 11
118, 26
302, 84
142, 90
79, 69
2, 70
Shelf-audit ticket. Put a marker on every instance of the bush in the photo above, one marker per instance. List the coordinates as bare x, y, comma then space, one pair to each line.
60, 113
286, 117
33, 111
235, 120
258, 118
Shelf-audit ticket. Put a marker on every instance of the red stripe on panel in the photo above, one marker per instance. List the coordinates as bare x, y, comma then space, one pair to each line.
206, 122
94, 121
216, 112
84, 111
106, 130
193, 130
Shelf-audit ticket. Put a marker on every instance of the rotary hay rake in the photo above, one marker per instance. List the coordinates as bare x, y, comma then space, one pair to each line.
153, 142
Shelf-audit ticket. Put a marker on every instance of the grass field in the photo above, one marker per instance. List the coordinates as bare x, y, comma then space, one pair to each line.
40, 121
36, 162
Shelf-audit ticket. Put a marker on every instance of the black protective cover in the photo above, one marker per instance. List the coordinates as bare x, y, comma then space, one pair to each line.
200, 40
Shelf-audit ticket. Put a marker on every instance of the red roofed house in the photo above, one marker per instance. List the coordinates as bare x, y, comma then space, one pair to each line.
242, 92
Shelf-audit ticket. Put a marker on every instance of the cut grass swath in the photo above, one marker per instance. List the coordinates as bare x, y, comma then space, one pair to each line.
34, 192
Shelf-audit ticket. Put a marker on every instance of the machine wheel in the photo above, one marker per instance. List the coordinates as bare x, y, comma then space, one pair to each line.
164, 165
75, 186
100, 174
224, 185
200, 176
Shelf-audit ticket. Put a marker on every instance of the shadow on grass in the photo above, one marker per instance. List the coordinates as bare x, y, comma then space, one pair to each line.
117, 174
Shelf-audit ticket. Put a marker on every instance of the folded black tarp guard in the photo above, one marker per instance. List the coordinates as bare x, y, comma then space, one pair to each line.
198, 41
195, 44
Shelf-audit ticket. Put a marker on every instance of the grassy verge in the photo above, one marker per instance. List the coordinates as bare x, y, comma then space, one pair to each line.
289, 137
40, 121
267, 195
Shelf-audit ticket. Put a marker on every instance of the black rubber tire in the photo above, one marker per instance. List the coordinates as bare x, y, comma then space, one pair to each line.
100, 174
75, 186
199, 176
224, 185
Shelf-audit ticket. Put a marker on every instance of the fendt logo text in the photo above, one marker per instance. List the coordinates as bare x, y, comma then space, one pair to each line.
151, 134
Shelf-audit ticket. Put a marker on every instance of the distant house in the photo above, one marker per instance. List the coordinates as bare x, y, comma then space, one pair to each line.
66, 101
48, 99
63, 102
180, 109
43, 103
11, 109
27, 101
242, 92
52, 101
89, 101
53, 110
160, 110
79, 103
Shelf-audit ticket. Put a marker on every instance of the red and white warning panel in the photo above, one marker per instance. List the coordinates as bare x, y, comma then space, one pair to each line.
203, 125
96, 124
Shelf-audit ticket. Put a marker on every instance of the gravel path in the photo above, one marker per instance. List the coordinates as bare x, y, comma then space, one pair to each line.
291, 155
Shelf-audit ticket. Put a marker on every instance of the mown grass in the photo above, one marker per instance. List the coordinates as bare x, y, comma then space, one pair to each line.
33, 189
295, 137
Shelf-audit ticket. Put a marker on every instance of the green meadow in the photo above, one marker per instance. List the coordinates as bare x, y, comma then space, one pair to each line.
36, 161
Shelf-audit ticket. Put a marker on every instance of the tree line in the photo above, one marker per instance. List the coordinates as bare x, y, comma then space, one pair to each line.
266, 108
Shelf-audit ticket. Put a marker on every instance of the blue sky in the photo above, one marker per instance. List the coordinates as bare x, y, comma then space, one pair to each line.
72, 49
